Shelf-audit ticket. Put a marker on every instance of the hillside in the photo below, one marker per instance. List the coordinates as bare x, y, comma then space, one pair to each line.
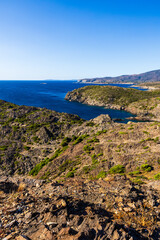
145, 104
65, 178
151, 76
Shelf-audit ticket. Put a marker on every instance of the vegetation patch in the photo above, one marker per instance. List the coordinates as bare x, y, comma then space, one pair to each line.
146, 167
117, 169
80, 139
65, 141
157, 176
70, 174
93, 140
88, 148
101, 174
3, 148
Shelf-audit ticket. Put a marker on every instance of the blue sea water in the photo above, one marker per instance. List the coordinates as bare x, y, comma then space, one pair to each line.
50, 94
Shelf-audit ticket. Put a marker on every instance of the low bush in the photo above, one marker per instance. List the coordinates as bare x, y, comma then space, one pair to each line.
101, 174
80, 139
157, 176
88, 148
70, 174
146, 167
117, 169
65, 141
86, 169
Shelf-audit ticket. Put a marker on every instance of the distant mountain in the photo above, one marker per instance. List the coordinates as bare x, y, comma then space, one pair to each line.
152, 76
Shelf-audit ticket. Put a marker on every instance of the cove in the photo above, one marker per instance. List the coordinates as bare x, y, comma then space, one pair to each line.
50, 94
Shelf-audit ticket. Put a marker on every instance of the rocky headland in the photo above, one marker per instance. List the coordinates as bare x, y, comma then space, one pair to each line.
145, 104
66, 178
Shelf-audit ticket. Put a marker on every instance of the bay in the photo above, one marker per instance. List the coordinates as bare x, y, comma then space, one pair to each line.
51, 94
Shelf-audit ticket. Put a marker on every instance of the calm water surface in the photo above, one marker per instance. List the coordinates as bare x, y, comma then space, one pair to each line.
50, 94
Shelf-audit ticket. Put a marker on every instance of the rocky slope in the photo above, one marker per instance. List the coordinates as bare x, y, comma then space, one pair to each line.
151, 76
30, 134
145, 104
114, 208
92, 179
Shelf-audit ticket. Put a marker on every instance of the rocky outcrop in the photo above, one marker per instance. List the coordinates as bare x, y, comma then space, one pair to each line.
114, 208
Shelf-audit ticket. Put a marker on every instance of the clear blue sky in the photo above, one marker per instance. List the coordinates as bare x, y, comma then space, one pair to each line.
73, 39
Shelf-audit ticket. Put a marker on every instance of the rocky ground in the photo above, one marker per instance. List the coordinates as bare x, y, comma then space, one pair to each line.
110, 208
65, 178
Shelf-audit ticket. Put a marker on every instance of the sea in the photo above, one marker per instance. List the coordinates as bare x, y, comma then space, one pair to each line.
51, 93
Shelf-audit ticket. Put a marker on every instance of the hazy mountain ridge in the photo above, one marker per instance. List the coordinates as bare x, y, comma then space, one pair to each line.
151, 76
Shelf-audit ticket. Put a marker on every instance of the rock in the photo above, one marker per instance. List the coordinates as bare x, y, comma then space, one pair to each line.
11, 224
102, 119
42, 234
22, 237
61, 203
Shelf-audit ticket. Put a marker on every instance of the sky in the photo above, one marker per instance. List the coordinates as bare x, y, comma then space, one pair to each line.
74, 39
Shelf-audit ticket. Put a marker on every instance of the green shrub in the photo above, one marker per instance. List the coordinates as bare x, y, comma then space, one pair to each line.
145, 147
134, 173
26, 147
99, 154
3, 148
138, 181
157, 176
39, 166
65, 141
88, 148
100, 132
86, 169
117, 169
146, 167
65, 165
156, 139
44, 162
90, 124
123, 132
93, 140
101, 174
80, 139
70, 174
94, 159
35, 139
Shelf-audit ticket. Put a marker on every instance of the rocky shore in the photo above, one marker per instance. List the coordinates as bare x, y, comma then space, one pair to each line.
146, 105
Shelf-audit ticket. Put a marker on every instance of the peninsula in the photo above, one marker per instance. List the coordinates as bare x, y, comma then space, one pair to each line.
145, 104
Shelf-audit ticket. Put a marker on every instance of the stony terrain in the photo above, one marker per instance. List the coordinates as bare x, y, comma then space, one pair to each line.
65, 178
113, 208
151, 76
145, 104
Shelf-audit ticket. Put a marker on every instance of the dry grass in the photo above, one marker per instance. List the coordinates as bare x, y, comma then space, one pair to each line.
143, 216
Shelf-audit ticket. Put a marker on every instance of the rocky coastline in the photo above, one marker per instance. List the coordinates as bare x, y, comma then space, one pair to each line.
145, 109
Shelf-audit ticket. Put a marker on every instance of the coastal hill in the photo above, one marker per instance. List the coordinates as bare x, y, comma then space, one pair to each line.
66, 178
145, 104
151, 76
